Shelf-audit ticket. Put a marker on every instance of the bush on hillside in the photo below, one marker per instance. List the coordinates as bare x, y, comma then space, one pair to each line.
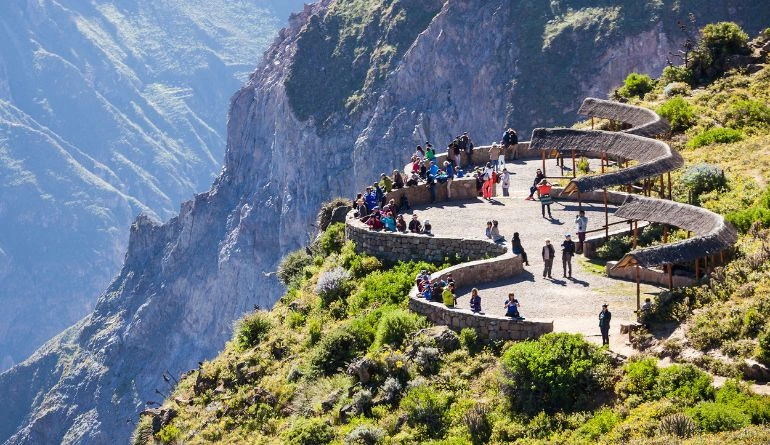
364, 435
758, 214
714, 417
558, 372
333, 285
748, 113
718, 42
426, 408
679, 425
636, 85
388, 286
335, 350
639, 378
703, 178
331, 240
679, 113
395, 326
715, 136
251, 329
683, 382
291, 268
676, 74
677, 89
736, 394
310, 432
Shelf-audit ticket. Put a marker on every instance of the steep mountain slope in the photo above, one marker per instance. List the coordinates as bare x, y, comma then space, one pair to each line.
184, 282
106, 110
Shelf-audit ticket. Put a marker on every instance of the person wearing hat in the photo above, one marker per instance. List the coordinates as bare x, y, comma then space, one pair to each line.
426, 228
544, 189
567, 252
604, 324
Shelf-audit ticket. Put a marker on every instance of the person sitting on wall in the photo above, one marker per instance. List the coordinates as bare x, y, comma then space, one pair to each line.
389, 222
430, 153
362, 213
495, 233
488, 231
426, 228
416, 162
448, 296
398, 180
512, 307
427, 291
414, 225
475, 301
401, 224
386, 184
419, 153
518, 249
370, 198
375, 221
539, 176
413, 180
437, 291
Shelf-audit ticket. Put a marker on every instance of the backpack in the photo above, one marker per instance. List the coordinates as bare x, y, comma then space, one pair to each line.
497, 179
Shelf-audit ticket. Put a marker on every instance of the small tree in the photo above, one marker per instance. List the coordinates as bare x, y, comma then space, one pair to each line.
636, 85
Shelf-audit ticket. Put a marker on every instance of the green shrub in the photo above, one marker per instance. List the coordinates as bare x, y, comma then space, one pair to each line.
672, 74
714, 417
335, 350
724, 38
715, 136
310, 432
679, 113
362, 266
735, 393
614, 248
636, 85
143, 433
426, 408
469, 339
387, 287
684, 382
703, 178
314, 328
639, 378
677, 89
758, 213
395, 326
601, 423
763, 346
292, 266
251, 329
169, 433
556, 372
583, 165
748, 113
331, 240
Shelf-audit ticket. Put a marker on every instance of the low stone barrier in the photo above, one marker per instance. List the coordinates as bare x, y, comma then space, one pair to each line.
395, 246
491, 327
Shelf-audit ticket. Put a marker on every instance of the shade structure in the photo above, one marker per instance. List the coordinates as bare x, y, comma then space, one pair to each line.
644, 122
712, 234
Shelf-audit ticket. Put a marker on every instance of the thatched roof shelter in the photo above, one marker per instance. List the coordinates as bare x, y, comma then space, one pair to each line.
712, 233
644, 122
653, 157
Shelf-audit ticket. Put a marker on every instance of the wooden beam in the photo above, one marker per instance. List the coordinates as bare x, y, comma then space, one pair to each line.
636, 232
606, 217
669, 185
574, 168
638, 294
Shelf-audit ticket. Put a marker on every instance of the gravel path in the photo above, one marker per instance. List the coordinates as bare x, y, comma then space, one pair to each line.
572, 304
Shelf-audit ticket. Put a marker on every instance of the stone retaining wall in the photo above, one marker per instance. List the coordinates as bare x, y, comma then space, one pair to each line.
395, 246
491, 327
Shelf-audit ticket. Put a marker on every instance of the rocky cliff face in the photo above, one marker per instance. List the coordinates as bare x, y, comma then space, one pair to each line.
106, 110
476, 65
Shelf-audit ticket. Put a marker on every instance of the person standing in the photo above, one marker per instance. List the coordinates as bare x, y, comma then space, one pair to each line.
581, 221
511, 139
494, 155
548, 254
506, 181
467, 146
449, 169
486, 188
567, 251
604, 324
544, 189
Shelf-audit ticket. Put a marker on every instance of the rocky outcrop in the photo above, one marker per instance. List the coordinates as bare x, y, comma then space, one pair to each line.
473, 65
106, 110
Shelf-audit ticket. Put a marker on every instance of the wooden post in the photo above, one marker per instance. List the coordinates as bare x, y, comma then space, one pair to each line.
721, 257
662, 193
543, 153
638, 294
574, 168
606, 217
697, 269
636, 232
665, 233
592, 122
669, 185
602, 161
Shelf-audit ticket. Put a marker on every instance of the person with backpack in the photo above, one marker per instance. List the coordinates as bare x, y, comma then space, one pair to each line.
467, 146
567, 252
494, 155
539, 176
486, 188
449, 169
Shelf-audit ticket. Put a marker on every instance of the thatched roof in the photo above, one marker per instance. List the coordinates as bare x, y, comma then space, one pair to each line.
653, 157
712, 234
645, 122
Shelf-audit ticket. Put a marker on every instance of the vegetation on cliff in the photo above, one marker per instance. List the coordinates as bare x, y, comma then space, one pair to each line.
341, 360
